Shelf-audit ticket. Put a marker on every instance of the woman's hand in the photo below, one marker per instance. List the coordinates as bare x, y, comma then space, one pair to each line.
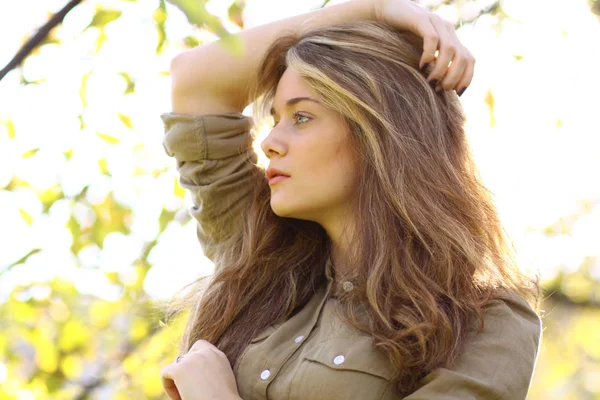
437, 34
203, 373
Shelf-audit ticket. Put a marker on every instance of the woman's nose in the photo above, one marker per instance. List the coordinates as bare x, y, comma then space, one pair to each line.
271, 145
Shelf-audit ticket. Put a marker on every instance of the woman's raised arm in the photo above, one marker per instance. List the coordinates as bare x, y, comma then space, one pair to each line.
210, 73
209, 78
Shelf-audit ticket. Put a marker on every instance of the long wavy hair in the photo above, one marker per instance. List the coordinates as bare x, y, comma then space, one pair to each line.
430, 252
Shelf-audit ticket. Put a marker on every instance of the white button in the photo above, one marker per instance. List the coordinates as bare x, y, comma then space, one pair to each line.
299, 338
348, 286
338, 360
265, 374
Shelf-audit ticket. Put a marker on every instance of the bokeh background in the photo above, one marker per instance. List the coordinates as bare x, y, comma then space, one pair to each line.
94, 228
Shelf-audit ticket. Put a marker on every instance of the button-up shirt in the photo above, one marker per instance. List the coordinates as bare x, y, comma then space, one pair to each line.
314, 354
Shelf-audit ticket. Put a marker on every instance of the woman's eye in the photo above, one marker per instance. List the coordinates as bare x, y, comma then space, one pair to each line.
296, 116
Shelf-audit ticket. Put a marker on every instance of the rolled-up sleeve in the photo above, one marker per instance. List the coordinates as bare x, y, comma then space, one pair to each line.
496, 364
216, 163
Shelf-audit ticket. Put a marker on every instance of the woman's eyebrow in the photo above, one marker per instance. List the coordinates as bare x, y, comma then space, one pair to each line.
293, 101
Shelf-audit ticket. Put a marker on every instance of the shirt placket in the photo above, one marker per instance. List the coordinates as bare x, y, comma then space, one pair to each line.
279, 354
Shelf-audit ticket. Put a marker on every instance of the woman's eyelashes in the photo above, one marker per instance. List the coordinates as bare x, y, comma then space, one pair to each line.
295, 116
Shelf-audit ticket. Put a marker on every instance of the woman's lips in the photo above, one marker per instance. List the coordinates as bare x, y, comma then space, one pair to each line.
277, 178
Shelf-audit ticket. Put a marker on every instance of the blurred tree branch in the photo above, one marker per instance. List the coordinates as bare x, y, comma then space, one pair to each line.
39, 36
490, 9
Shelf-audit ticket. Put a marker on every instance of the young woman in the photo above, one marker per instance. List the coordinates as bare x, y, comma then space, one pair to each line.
367, 261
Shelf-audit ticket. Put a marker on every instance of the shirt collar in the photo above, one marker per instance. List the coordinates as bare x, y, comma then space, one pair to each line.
329, 270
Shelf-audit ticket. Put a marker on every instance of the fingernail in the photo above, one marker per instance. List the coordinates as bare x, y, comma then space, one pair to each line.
424, 68
461, 91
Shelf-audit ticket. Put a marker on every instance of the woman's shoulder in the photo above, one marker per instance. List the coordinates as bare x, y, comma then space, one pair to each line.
510, 311
509, 323
496, 362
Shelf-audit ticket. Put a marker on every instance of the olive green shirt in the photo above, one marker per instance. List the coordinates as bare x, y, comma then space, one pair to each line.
314, 355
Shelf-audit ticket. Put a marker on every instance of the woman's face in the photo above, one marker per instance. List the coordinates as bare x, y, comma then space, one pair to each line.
313, 148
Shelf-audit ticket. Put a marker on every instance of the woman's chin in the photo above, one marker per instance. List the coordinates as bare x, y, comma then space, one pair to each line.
281, 208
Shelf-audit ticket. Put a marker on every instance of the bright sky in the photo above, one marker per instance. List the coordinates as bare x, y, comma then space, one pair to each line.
541, 158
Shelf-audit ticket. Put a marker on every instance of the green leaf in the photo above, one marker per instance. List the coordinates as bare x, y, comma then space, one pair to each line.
130, 83
103, 17
101, 39
234, 12
26, 217
82, 194
50, 196
81, 122
166, 216
20, 260
111, 216
160, 16
190, 42
109, 139
15, 183
75, 228
196, 13
83, 92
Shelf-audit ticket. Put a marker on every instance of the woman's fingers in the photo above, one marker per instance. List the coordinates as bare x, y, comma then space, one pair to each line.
466, 78
447, 49
430, 42
168, 382
454, 65
460, 71
455, 71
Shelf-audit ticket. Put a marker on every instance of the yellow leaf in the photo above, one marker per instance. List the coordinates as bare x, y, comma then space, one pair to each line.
109, 139
103, 17
102, 164
68, 154
46, 353
26, 217
126, 120
132, 364
159, 16
130, 83
11, 129
83, 93
100, 314
73, 335
30, 153
71, 366
491, 103
139, 329
177, 189
151, 386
